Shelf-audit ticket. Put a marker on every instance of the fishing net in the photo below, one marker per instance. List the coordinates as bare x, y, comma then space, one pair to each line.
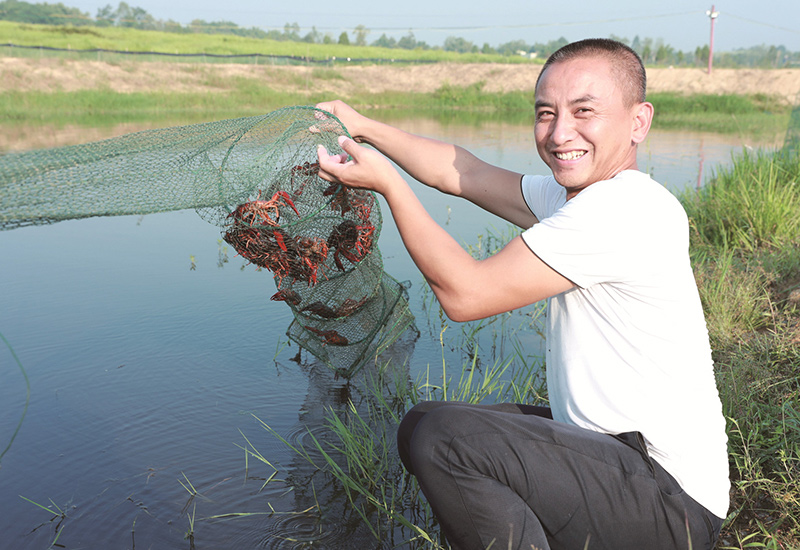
257, 179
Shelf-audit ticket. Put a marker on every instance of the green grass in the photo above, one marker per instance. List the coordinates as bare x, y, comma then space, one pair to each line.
746, 254
357, 453
102, 108
748, 115
753, 203
237, 97
117, 38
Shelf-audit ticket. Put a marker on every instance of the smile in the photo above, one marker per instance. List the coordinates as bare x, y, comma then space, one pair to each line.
571, 155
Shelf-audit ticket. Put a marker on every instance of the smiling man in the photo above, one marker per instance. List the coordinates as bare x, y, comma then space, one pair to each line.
631, 453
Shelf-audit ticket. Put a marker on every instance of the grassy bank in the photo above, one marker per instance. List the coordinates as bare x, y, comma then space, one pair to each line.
746, 250
746, 255
756, 116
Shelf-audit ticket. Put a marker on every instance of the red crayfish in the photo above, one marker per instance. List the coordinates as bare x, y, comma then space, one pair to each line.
350, 240
330, 336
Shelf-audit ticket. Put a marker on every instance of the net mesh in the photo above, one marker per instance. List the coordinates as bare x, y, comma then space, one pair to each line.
257, 179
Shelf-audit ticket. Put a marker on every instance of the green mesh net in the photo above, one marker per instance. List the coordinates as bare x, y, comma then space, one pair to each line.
257, 179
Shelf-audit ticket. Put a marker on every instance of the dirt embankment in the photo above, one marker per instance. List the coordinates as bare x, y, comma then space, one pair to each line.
65, 75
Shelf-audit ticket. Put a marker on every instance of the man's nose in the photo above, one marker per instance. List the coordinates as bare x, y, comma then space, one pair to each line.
563, 130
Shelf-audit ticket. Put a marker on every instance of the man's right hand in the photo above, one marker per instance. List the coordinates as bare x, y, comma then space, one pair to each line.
351, 119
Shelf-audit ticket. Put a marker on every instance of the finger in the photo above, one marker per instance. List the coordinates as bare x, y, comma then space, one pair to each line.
349, 146
327, 121
323, 153
330, 165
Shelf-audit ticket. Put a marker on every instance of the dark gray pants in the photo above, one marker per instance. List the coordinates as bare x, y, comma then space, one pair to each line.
507, 476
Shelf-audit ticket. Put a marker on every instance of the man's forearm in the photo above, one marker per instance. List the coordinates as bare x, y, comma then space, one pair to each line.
435, 163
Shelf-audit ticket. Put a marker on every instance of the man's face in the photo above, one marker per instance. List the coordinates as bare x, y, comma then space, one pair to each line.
584, 130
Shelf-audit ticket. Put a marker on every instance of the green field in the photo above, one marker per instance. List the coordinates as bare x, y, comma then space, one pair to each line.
133, 40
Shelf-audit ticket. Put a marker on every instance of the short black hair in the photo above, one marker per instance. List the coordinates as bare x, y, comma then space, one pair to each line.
626, 63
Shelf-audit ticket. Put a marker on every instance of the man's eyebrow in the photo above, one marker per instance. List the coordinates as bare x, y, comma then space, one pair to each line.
588, 98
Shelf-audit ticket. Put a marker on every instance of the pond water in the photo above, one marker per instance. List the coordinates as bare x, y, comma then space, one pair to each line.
146, 374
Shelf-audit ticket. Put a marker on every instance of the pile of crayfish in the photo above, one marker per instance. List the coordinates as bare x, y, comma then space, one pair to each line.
255, 233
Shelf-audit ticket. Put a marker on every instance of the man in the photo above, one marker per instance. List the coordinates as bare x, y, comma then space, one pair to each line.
632, 453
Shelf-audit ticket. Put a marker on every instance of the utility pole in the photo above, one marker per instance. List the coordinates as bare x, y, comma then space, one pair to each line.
713, 16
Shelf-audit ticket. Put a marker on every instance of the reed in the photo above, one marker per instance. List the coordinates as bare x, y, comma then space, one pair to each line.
357, 452
746, 255
753, 203
57, 519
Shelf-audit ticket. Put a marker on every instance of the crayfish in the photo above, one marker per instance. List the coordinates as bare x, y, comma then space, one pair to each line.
350, 240
345, 199
288, 296
305, 171
347, 308
260, 212
330, 336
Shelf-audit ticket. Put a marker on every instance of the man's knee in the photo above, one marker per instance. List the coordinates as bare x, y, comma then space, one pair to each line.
435, 432
409, 424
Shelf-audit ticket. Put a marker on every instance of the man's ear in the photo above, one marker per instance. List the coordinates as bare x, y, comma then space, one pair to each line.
643, 118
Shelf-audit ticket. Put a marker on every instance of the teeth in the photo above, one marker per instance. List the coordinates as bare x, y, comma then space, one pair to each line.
572, 155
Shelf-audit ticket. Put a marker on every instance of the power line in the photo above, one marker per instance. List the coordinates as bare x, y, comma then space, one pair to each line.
762, 23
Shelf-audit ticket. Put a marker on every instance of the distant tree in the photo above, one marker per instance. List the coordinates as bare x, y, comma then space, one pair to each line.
42, 14
385, 42
291, 32
343, 39
701, 55
105, 16
664, 54
222, 27
620, 39
457, 44
327, 39
313, 36
511, 48
422, 45
123, 16
126, 16
361, 33
487, 49
143, 20
544, 50
407, 42
636, 45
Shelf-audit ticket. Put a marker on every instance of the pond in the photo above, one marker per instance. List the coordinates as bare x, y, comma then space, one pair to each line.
151, 349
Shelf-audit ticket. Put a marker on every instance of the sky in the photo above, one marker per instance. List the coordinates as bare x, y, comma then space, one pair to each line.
682, 24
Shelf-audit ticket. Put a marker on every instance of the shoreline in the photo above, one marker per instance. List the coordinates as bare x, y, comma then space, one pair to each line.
64, 75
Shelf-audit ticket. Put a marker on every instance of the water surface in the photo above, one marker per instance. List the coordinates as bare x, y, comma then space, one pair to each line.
146, 373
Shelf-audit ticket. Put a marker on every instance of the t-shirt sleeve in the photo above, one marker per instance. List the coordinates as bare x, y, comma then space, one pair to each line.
542, 194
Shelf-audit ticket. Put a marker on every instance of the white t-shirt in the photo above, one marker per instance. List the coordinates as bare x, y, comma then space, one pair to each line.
627, 348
